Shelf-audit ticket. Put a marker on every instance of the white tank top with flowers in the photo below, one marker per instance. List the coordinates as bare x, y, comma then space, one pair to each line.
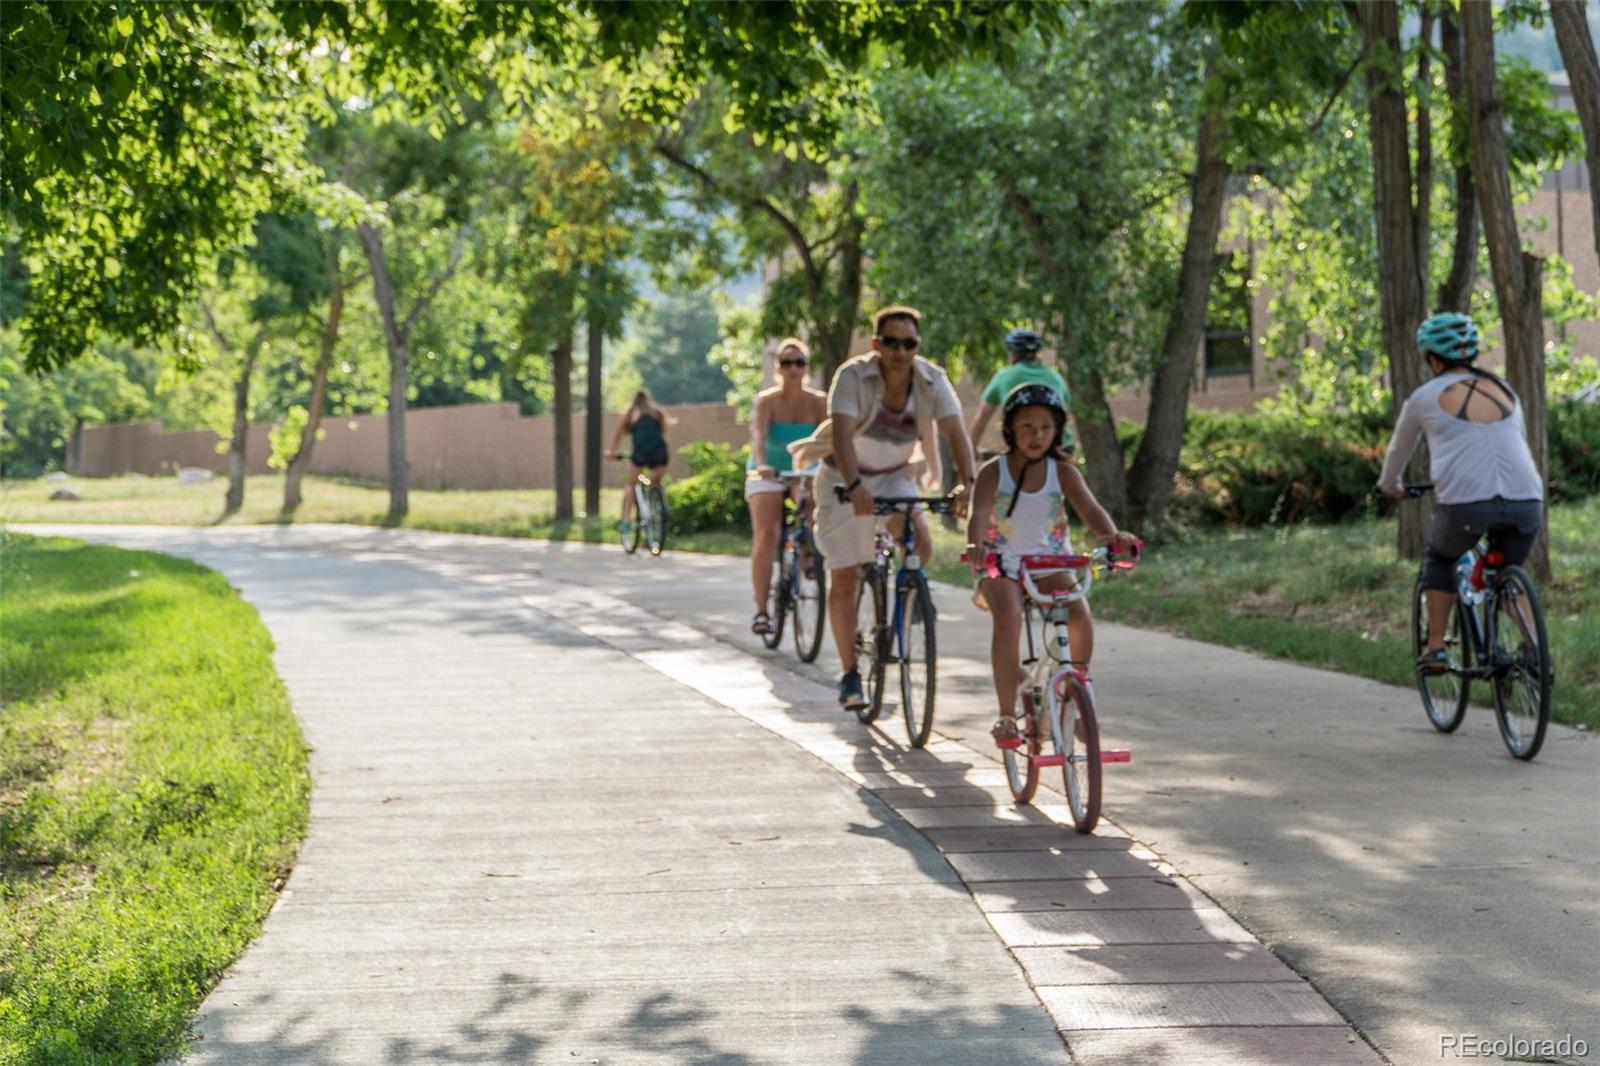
1038, 523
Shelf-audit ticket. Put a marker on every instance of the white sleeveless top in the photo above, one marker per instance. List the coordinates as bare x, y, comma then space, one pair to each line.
1038, 523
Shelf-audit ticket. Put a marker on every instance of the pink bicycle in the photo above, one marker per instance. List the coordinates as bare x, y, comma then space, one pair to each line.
1057, 698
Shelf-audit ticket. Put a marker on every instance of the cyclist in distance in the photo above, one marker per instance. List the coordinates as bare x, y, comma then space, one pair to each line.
1019, 507
783, 414
1483, 473
647, 424
881, 405
1023, 346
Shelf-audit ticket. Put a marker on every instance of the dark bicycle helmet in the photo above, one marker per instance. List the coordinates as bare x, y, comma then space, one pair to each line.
1033, 394
1448, 336
1024, 342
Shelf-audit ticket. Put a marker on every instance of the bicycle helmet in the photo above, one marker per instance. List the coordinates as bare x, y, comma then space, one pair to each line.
1024, 342
1448, 336
1033, 394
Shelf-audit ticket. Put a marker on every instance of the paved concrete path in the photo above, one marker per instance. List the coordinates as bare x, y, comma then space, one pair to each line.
1382, 861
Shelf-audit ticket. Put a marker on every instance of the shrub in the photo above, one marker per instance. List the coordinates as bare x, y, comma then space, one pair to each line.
712, 496
1574, 449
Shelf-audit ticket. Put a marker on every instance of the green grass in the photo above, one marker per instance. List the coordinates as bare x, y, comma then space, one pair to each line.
1339, 597
153, 790
498, 512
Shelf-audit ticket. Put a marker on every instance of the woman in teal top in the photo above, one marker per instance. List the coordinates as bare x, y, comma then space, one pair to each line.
785, 413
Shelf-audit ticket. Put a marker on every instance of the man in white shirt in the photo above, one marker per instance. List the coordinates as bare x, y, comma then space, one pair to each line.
880, 406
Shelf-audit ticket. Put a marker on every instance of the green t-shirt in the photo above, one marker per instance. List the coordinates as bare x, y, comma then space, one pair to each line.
1028, 373
1025, 373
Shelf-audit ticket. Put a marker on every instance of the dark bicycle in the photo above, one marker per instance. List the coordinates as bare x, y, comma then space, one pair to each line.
903, 636
800, 577
1496, 633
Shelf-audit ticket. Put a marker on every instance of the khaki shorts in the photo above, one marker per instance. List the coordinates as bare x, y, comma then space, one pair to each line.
844, 536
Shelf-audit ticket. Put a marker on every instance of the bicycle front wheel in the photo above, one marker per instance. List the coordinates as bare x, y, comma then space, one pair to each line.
1075, 736
918, 658
655, 530
809, 601
1444, 695
778, 593
1520, 657
871, 639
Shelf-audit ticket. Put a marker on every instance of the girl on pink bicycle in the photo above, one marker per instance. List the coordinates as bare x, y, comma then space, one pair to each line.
1019, 508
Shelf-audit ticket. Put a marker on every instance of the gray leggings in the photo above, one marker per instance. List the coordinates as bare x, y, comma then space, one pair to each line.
1456, 527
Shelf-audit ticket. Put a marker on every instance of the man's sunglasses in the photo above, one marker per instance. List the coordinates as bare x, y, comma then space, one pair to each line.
905, 343
791, 362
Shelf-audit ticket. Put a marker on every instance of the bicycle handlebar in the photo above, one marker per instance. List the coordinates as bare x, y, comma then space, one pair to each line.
886, 505
1421, 488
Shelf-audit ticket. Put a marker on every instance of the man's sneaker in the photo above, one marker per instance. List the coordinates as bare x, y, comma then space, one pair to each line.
851, 698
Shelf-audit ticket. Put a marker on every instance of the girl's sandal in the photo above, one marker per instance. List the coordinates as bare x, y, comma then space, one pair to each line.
761, 625
1007, 733
1436, 661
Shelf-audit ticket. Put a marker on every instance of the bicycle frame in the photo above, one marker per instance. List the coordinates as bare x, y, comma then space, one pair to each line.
891, 550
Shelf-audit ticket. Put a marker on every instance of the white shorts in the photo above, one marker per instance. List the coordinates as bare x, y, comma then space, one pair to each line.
755, 486
844, 536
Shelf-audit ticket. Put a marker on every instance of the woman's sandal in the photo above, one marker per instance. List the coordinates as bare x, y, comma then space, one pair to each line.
1436, 661
761, 625
1009, 732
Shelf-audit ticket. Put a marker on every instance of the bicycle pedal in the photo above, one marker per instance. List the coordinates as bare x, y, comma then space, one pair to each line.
1116, 755
1048, 760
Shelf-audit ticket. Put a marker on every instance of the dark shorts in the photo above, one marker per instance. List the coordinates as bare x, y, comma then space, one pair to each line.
650, 460
1512, 526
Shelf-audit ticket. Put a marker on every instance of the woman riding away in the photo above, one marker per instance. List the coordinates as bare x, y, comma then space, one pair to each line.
783, 414
1484, 476
1019, 507
647, 424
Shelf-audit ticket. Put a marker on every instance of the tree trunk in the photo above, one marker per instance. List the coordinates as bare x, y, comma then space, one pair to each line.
301, 461
1583, 71
1150, 478
591, 435
847, 297
1097, 436
394, 336
1402, 286
238, 461
74, 456
1455, 292
1518, 275
561, 369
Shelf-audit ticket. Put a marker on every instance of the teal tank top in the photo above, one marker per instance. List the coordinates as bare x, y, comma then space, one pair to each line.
646, 435
779, 436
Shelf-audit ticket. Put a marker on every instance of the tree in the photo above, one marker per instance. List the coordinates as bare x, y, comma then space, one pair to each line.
142, 139
41, 414
1518, 274
671, 340
1583, 71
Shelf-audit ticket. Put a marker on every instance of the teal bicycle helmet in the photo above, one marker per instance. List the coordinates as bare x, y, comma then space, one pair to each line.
1448, 336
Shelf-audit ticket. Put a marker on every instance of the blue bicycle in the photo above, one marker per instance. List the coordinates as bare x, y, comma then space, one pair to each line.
904, 634
800, 578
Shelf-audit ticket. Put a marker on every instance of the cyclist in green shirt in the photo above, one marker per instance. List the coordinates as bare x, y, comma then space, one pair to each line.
1023, 346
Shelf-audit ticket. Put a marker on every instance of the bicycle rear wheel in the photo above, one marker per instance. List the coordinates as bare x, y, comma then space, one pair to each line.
809, 600
1519, 652
1444, 696
1022, 773
1076, 737
918, 654
655, 532
778, 593
871, 639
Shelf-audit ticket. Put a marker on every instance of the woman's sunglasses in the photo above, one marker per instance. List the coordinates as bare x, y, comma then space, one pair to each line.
791, 362
906, 343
